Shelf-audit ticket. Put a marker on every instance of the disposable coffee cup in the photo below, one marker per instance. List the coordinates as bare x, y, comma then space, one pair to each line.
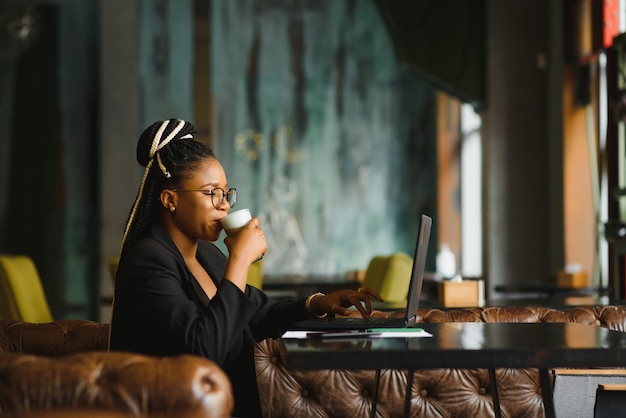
235, 221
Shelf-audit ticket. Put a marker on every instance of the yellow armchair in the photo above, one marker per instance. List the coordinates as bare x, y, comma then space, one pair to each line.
390, 276
21, 294
255, 274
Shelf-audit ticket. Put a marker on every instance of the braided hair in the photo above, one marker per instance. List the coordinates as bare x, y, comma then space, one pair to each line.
168, 152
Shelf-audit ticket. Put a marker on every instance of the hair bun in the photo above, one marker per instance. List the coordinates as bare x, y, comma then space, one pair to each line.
147, 138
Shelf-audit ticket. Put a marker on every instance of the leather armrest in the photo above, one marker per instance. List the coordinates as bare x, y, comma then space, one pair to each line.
114, 382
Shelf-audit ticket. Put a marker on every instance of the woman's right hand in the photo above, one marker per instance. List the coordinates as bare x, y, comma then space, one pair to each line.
248, 243
244, 248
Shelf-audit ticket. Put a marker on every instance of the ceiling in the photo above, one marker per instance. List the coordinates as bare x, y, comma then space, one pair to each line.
443, 41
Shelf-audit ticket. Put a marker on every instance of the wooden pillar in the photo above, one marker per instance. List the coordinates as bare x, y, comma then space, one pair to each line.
120, 128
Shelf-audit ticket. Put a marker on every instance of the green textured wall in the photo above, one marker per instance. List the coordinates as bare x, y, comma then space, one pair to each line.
328, 138
166, 60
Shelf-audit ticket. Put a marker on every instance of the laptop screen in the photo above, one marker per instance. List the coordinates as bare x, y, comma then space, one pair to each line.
419, 265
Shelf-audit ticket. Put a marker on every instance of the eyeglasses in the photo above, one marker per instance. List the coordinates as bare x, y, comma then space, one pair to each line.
217, 195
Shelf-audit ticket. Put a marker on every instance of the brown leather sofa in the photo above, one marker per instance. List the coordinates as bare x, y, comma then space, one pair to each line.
436, 393
62, 369
32, 356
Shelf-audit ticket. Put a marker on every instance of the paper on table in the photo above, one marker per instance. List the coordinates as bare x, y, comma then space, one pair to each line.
401, 332
295, 334
384, 333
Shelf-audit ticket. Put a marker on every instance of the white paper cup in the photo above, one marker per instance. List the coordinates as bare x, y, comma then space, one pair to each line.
236, 220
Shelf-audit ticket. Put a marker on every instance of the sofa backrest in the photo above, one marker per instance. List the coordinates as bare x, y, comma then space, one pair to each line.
53, 338
612, 316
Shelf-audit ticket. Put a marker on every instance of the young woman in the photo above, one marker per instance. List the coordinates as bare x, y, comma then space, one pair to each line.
176, 292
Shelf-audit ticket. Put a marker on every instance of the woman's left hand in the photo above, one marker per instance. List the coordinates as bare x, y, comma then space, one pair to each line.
339, 301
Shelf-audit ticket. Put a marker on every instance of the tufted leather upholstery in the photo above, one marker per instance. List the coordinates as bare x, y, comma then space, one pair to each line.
132, 385
436, 393
51, 370
52, 339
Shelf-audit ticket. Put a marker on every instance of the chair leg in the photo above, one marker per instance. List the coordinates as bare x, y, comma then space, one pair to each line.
546, 393
610, 400
494, 393
409, 392
375, 398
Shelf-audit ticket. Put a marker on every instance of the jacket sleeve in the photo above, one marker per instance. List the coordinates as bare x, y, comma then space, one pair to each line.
157, 309
272, 318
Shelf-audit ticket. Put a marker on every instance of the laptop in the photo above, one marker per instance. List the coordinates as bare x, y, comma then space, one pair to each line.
413, 298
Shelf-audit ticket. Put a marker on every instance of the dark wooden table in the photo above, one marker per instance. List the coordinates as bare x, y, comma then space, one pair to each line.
471, 345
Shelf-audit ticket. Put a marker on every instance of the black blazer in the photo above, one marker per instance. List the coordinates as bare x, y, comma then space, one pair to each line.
160, 309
